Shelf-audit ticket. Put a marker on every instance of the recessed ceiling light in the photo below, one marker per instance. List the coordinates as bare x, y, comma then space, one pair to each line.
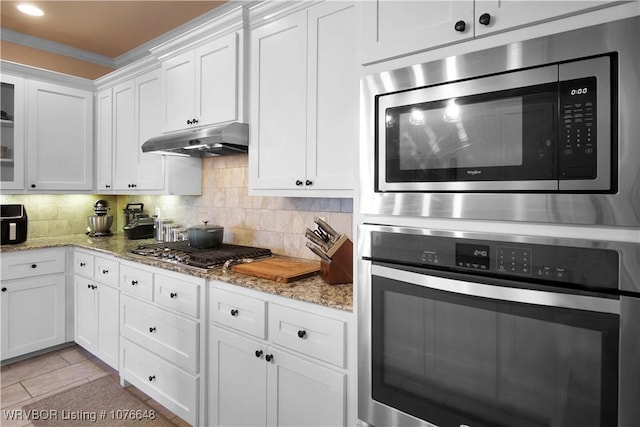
30, 9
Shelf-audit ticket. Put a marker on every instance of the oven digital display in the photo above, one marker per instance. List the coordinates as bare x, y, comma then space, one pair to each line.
472, 256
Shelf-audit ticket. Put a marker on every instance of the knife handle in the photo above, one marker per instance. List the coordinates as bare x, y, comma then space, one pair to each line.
333, 234
318, 252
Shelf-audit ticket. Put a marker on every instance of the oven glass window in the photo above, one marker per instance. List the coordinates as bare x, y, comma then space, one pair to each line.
458, 360
502, 135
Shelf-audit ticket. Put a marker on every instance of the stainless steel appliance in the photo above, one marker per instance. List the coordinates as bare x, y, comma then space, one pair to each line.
14, 224
231, 138
182, 253
542, 130
470, 329
100, 223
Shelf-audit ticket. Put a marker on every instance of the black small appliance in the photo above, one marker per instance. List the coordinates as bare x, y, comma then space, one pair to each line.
14, 224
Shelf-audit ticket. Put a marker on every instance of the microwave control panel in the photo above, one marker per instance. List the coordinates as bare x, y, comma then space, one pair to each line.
578, 131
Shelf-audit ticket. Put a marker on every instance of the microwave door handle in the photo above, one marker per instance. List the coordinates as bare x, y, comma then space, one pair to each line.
526, 296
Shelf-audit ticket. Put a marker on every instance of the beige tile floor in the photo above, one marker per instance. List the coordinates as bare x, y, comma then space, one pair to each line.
39, 377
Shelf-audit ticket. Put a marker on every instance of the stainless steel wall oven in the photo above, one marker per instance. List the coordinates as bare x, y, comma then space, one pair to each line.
471, 329
542, 130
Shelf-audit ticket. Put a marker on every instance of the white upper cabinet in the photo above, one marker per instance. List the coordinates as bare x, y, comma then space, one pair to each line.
277, 152
137, 106
499, 15
129, 114
333, 91
148, 108
12, 125
304, 103
124, 131
395, 28
104, 140
392, 29
201, 86
60, 138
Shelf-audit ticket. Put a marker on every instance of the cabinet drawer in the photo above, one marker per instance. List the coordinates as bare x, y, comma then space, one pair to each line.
317, 336
240, 312
174, 389
136, 282
177, 294
32, 263
106, 271
166, 334
83, 264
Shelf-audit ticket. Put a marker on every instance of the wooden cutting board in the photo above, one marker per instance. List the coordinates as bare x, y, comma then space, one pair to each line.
278, 269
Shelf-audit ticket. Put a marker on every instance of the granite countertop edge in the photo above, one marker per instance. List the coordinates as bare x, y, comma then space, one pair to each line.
312, 289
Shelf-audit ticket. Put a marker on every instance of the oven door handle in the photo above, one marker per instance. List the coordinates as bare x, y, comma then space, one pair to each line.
526, 296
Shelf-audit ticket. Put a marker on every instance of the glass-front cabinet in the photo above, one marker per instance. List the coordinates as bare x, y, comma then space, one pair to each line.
12, 138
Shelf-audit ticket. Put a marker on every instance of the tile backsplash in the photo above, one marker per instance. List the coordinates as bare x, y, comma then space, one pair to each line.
59, 214
277, 223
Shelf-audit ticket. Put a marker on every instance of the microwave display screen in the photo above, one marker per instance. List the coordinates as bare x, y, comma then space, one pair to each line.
461, 135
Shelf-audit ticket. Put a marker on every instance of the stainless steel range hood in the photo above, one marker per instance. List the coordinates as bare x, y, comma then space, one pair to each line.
221, 140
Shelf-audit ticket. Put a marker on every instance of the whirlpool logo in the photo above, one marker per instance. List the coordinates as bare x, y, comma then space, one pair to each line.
474, 172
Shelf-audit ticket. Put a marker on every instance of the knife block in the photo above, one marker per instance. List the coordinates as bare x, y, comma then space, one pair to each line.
340, 269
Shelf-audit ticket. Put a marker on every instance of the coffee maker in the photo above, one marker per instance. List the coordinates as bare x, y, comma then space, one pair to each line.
138, 224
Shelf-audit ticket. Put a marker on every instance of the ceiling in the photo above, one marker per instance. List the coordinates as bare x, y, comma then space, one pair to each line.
90, 38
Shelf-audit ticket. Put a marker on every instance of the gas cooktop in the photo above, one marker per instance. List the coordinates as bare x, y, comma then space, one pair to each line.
182, 253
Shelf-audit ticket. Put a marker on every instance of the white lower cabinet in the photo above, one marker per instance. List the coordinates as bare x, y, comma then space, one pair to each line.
170, 386
254, 384
96, 319
260, 379
96, 305
32, 306
160, 337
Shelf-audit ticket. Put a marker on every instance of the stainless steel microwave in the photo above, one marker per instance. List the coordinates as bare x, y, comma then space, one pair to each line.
540, 130
546, 128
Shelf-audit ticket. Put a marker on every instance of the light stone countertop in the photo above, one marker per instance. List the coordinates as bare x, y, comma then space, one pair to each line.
312, 289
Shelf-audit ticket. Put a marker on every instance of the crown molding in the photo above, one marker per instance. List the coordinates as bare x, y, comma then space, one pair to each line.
263, 12
57, 48
229, 18
127, 72
35, 73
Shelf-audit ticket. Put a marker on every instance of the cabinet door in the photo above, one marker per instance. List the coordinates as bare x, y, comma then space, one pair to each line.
301, 393
333, 109
178, 86
150, 166
505, 14
216, 77
104, 142
237, 380
279, 103
33, 314
12, 161
396, 28
124, 136
60, 138
84, 307
107, 301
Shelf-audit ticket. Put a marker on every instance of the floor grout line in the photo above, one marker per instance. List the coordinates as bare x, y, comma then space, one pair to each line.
81, 356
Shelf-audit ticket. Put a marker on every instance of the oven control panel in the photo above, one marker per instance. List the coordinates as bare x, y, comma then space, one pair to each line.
523, 261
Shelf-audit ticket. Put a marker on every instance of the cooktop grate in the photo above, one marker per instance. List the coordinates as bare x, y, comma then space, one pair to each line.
182, 253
